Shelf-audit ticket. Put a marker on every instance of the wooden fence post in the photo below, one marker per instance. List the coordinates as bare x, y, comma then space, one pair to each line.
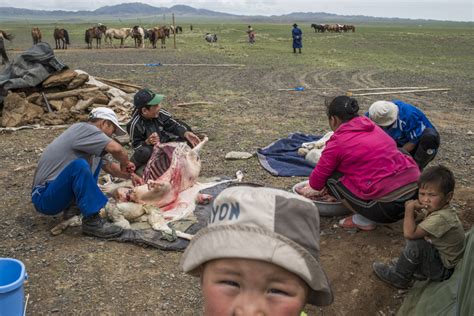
174, 33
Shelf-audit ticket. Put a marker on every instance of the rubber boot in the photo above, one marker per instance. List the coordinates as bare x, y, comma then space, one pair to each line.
416, 276
399, 275
95, 225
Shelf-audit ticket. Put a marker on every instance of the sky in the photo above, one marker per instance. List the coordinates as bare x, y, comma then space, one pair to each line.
452, 10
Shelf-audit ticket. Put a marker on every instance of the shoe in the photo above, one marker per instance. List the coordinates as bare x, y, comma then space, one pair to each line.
95, 225
348, 223
387, 274
71, 212
415, 276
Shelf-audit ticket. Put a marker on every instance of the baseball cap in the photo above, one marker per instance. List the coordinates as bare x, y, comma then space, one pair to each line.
146, 97
383, 113
264, 224
107, 114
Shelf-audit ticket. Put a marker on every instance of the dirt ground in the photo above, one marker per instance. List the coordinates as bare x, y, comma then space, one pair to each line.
74, 274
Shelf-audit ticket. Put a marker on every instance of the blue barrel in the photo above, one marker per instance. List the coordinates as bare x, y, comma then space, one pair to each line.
12, 277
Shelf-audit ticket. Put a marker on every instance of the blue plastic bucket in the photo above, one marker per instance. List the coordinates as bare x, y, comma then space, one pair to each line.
12, 277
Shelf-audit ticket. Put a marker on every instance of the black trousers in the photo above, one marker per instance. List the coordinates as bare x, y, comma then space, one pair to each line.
427, 148
424, 259
141, 155
379, 212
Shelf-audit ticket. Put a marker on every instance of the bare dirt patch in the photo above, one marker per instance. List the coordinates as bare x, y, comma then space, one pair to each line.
73, 274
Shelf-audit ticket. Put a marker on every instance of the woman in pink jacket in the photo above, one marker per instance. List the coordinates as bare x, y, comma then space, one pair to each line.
363, 168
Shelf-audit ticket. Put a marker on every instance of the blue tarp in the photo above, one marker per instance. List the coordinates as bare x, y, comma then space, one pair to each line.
281, 158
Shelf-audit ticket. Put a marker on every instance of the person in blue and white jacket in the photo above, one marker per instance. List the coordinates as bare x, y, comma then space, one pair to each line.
409, 127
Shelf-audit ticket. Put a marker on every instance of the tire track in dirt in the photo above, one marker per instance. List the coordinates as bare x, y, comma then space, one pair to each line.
324, 79
278, 79
366, 80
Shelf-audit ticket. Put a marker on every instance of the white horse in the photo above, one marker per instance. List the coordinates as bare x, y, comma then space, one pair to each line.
138, 34
120, 34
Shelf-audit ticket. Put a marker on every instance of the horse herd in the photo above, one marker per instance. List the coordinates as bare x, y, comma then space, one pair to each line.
138, 33
338, 28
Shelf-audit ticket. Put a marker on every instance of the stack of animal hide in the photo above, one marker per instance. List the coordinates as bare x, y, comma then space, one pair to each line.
66, 97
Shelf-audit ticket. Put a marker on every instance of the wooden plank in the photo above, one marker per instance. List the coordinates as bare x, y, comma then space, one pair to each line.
397, 92
388, 88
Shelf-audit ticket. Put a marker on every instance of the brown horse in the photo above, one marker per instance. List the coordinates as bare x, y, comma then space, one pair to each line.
3, 53
333, 28
167, 31
36, 35
61, 36
179, 29
156, 34
95, 32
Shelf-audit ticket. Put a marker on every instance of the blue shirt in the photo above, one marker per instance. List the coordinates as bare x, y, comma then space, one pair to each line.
409, 126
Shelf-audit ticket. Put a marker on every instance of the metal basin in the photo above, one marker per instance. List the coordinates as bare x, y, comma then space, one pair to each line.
325, 208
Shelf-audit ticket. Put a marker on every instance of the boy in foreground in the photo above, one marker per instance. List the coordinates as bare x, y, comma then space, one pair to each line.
434, 246
259, 254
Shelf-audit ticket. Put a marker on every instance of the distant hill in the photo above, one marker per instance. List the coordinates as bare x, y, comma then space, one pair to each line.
141, 10
119, 10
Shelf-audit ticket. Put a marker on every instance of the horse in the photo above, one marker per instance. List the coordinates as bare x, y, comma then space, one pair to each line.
179, 29
95, 32
3, 52
120, 34
167, 31
332, 28
156, 34
349, 27
138, 34
61, 35
36, 35
318, 28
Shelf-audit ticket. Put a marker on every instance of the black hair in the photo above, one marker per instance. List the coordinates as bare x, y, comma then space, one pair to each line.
439, 175
345, 108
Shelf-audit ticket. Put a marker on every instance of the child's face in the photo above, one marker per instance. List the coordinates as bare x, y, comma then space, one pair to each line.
152, 112
430, 195
251, 287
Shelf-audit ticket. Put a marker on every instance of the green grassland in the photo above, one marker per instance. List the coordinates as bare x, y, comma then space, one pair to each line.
445, 50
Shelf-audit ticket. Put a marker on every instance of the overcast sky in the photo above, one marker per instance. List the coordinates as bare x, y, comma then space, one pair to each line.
454, 10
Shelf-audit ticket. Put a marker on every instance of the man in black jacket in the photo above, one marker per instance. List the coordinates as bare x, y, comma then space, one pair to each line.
150, 124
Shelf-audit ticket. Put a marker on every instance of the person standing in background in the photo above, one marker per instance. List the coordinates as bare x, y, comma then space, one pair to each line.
297, 38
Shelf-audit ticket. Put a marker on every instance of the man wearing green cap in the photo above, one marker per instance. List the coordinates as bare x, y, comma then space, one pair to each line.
151, 125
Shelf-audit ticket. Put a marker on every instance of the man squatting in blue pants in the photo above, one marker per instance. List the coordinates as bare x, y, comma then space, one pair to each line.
69, 168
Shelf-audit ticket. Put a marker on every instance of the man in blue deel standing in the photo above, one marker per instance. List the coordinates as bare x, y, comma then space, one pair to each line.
297, 38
